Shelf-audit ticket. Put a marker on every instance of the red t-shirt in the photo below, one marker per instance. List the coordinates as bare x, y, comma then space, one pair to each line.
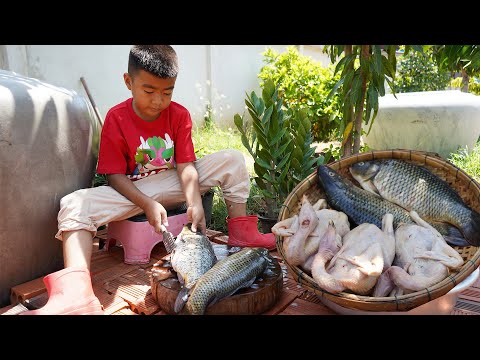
137, 148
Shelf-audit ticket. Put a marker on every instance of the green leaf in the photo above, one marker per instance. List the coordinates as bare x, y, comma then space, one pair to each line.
247, 145
309, 164
388, 67
377, 52
277, 137
260, 171
356, 88
266, 116
260, 183
238, 121
263, 163
268, 90
296, 165
282, 149
284, 173
284, 160
335, 88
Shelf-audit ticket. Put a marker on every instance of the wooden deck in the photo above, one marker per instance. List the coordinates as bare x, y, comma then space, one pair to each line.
125, 289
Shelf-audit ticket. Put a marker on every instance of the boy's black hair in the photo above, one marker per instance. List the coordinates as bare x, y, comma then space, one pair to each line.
159, 60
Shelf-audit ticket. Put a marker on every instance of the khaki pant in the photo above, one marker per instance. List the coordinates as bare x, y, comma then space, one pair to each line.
88, 209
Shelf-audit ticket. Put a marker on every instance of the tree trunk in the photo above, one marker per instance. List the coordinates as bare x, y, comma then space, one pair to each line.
465, 79
359, 110
347, 146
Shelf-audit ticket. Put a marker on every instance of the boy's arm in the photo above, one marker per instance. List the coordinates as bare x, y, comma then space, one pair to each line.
188, 175
154, 211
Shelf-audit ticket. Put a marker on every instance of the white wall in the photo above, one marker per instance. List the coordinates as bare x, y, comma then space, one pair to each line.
216, 74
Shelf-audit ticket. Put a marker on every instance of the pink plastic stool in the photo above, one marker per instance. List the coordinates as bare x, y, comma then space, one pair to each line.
138, 238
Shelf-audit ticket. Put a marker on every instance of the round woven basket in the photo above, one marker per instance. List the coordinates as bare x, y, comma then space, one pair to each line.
466, 187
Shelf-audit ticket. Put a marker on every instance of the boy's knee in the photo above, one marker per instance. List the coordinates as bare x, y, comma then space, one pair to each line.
72, 198
234, 156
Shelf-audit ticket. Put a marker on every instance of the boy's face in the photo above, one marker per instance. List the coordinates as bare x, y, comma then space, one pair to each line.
151, 94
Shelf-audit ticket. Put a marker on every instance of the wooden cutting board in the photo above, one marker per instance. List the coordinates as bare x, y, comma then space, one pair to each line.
254, 300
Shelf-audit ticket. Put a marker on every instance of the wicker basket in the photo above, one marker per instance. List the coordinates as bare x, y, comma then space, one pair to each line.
466, 187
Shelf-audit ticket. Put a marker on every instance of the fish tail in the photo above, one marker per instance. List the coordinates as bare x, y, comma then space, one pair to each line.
181, 299
452, 234
471, 229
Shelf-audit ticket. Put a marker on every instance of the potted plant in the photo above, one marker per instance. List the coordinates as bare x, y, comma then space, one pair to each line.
280, 142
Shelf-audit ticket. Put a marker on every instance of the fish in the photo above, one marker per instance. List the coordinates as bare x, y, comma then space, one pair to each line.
362, 206
227, 276
191, 257
414, 187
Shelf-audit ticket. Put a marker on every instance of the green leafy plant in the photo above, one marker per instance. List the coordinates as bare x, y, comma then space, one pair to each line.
418, 71
279, 142
304, 83
363, 70
464, 59
473, 85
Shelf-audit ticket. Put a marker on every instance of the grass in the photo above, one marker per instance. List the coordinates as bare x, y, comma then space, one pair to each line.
468, 161
209, 139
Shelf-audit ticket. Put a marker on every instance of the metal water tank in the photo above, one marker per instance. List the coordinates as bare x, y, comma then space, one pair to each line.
48, 148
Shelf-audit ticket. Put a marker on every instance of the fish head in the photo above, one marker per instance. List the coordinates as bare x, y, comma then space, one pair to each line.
364, 170
261, 251
330, 180
187, 230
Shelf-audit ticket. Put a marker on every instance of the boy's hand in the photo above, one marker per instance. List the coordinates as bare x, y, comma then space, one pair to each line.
156, 215
196, 215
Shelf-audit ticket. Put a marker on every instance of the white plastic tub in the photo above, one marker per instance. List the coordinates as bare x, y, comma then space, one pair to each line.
440, 306
435, 121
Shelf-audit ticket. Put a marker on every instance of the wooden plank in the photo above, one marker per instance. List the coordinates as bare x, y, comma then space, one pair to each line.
104, 263
124, 311
211, 234
286, 298
292, 285
135, 289
471, 293
112, 273
220, 239
303, 307
110, 302
310, 296
27, 290
467, 305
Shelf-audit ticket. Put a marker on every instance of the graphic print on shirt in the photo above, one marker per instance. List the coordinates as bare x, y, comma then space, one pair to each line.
153, 156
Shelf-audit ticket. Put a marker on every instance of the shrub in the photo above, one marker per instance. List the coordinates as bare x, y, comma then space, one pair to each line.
418, 72
473, 85
304, 83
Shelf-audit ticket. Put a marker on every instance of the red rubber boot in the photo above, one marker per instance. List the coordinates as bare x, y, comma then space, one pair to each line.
243, 232
70, 292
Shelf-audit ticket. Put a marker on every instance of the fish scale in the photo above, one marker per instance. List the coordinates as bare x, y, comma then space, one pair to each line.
362, 206
192, 256
226, 277
430, 192
416, 188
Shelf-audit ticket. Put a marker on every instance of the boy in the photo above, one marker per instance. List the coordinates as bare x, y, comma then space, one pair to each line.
147, 152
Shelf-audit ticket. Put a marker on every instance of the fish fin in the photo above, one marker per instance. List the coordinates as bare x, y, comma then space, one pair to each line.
471, 230
452, 235
181, 299
456, 241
